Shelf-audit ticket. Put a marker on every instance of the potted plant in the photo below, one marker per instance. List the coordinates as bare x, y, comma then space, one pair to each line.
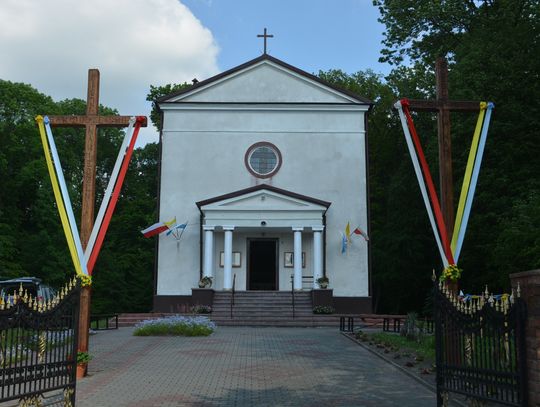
205, 282
323, 282
82, 363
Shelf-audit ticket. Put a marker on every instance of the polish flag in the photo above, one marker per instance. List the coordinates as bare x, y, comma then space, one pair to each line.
157, 228
359, 231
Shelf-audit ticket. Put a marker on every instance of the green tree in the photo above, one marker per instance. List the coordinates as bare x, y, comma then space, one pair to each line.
157, 92
491, 46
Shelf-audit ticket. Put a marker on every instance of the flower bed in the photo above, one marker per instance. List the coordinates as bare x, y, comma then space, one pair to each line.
175, 326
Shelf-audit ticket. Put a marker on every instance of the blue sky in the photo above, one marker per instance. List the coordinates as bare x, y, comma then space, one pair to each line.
310, 34
138, 43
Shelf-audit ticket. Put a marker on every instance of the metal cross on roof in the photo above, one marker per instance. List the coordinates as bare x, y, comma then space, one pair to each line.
265, 36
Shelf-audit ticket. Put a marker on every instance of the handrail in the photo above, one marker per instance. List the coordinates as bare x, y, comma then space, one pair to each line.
292, 292
97, 318
232, 293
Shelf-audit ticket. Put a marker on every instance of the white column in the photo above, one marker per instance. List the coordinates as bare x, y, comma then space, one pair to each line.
297, 258
227, 261
317, 254
208, 266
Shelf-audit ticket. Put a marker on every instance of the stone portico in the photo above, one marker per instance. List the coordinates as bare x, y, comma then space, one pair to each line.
259, 212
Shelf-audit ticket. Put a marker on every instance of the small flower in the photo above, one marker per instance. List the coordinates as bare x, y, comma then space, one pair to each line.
452, 273
86, 281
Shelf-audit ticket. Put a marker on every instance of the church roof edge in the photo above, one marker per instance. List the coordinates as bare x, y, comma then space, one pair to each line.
263, 57
259, 188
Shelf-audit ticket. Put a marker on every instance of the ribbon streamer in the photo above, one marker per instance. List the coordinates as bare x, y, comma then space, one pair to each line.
109, 190
474, 180
65, 195
429, 182
420, 178
58, 197
467, 178
115, 195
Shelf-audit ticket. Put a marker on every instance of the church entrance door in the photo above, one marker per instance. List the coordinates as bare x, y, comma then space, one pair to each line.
262, 267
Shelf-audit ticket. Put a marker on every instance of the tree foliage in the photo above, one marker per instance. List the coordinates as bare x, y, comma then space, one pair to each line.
32, 242
492, 47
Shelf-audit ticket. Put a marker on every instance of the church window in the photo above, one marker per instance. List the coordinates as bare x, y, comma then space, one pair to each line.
263, 159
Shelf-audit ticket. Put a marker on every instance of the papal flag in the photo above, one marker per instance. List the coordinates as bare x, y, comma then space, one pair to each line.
348, 232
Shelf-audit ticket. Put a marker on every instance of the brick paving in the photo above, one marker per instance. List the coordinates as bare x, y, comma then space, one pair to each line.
240, 366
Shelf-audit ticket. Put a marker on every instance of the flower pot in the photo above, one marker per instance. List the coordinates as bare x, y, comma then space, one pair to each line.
323, 285
81, 370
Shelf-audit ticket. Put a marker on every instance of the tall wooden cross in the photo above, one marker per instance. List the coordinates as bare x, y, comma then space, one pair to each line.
443, 106
92, 121
265, 36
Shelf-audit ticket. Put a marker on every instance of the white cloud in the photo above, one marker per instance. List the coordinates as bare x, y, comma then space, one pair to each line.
51, 44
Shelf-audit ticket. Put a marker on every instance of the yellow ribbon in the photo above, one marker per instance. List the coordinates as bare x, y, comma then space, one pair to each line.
58, 196
468, 176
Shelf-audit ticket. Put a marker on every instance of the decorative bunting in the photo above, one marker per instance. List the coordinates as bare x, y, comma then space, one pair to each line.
63, 201
58, 196
449, 253
467, 177
474, 180
116, 193
110, 186
421, 184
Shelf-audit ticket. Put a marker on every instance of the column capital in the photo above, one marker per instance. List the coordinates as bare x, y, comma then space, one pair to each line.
297, 228
228, 228
205, 227
317, 228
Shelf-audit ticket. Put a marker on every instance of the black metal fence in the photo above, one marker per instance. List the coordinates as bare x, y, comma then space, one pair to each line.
480, 347
103, 322
38, 347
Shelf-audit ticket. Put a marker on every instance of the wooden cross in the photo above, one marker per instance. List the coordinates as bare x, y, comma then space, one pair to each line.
92, 121
443, 106
265, 36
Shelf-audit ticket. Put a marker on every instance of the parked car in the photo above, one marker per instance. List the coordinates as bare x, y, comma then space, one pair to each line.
32, 285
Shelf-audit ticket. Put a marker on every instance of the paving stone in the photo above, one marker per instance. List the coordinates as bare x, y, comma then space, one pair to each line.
242, 366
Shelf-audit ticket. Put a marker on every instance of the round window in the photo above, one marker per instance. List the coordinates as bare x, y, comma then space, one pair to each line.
263, 159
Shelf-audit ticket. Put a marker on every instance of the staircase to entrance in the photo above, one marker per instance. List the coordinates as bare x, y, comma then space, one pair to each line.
267, 308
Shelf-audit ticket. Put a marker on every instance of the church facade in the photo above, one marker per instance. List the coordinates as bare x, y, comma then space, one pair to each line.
267, 164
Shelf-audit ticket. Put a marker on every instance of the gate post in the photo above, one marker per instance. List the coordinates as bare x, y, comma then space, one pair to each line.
529, 283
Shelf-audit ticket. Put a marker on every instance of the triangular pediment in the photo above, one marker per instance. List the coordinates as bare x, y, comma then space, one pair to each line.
264, 80
263, 197
263, 200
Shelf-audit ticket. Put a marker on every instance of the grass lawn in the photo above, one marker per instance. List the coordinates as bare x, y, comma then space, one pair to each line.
424, 348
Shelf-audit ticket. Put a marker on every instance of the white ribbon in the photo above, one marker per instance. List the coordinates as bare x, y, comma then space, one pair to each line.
420, 178
110, 187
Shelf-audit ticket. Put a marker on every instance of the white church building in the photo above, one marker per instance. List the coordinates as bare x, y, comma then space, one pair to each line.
267, 164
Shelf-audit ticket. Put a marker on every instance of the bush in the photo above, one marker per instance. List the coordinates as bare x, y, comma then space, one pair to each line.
323, 309
175, 326
201, 309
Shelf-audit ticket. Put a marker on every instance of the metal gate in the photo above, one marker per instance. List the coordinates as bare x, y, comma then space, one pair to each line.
38, 347
480, 347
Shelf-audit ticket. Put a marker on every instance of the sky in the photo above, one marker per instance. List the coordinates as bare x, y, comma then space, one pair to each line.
51, 44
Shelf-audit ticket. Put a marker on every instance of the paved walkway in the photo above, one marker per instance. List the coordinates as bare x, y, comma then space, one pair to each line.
238, 366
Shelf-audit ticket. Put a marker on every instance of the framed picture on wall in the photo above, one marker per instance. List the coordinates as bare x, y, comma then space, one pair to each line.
288, 259
236, 259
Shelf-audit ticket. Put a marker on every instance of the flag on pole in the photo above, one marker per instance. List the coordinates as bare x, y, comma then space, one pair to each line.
158, 228
343, 243
348, 232
176, 227
360, 232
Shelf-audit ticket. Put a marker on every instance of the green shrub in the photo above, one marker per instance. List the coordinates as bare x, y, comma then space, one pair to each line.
323, 309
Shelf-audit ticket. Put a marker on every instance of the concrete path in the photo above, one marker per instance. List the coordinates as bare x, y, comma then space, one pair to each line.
238, 366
